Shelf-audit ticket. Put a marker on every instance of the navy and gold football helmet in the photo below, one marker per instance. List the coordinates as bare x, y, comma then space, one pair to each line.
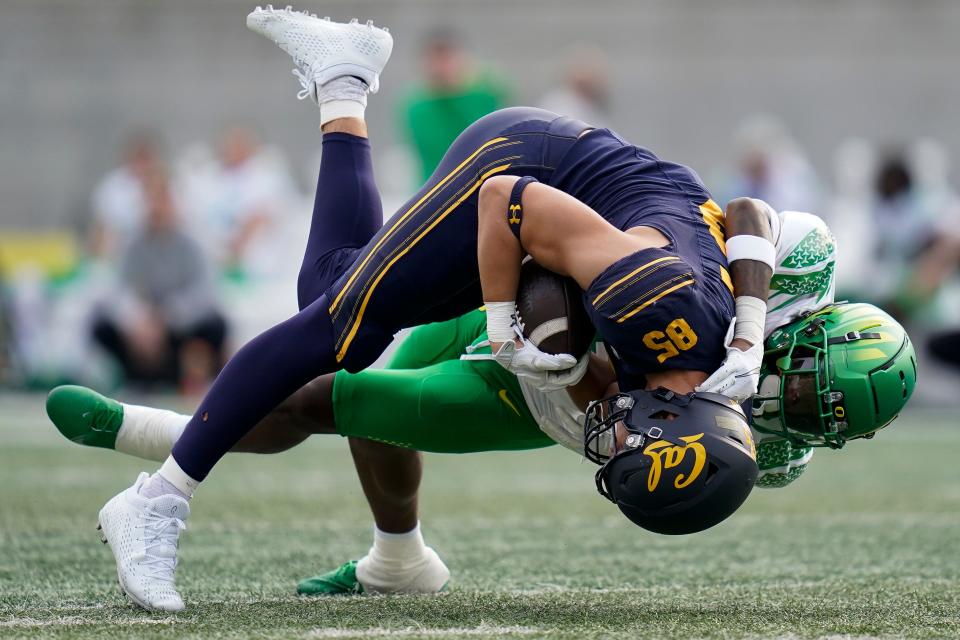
673, 464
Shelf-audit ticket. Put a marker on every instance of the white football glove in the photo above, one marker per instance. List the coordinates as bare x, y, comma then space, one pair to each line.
739, 375
544, 371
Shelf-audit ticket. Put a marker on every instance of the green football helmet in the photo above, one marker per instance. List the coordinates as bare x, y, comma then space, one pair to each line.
837, 374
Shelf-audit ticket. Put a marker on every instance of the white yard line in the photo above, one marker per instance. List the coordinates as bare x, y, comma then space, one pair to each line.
75, 621
413, 632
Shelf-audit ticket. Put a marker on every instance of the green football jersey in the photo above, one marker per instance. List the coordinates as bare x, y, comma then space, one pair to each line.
803, 281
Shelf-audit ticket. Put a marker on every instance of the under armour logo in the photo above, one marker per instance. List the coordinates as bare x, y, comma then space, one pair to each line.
515, 210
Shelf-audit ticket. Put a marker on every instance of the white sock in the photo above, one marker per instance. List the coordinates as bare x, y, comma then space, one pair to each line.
400, 562
149, 433
343, 97
169, 479
156, 486
397, 552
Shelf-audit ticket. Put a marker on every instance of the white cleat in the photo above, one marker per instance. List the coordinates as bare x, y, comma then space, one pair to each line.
429, 575
323, 49
143, 534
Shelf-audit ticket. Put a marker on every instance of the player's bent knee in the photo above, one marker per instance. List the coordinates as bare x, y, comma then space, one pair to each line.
495, 193
307, 289
317, 274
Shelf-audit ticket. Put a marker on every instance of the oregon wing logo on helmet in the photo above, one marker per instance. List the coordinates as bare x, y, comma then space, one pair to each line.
841, 373
672, 463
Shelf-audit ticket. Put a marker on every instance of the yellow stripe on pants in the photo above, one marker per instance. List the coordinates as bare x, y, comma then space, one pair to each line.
405, 215
366, 299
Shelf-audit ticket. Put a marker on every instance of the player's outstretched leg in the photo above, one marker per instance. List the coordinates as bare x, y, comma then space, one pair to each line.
347, 211
337, 63
91, 419
398, 561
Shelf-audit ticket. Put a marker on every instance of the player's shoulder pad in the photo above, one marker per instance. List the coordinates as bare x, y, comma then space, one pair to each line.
805, 240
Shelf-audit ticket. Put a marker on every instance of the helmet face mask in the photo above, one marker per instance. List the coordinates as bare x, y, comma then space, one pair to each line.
841, 373
808, 404
672, 463
602, 441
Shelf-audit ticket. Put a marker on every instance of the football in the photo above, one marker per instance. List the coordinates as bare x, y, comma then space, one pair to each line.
552, 311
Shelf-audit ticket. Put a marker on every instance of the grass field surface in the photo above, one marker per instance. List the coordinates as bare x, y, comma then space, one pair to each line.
865, 544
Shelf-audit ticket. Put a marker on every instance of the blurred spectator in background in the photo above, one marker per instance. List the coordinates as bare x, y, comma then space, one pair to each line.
903, 229
585, 91
237, 203
454, 95
849, 214
915, 199
163, 324
897, 211
117, 204
771, 167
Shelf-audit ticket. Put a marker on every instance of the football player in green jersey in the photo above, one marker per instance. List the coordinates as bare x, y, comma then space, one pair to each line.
831, 373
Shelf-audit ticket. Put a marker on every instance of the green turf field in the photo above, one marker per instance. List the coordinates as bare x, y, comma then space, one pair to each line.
866, 544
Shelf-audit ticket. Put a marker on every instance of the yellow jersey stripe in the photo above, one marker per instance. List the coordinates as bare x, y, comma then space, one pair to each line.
630, 275
646, 304
651, 292
367, 283
714, 217
407, 214
725, 276
366, 299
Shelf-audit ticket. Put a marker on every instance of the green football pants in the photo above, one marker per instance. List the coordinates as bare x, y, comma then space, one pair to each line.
429, 400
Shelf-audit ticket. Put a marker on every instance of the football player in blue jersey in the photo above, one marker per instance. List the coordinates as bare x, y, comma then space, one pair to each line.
429, 399
640, 235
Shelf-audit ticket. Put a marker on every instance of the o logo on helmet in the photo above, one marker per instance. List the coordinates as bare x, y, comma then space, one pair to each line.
839, 411
667, 456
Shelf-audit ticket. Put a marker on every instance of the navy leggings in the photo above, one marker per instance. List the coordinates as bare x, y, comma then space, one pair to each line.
346, 213
360, 283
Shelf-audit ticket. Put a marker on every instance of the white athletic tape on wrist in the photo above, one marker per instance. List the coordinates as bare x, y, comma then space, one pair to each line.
751, 316
500, 321
752, 248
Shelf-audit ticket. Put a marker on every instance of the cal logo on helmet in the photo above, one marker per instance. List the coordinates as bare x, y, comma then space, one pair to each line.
675, 464
664, 455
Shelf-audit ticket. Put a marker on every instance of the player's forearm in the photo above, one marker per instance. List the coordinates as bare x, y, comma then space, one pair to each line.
498, 253
498, 257
750, 277
561, 233
751, 254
